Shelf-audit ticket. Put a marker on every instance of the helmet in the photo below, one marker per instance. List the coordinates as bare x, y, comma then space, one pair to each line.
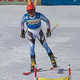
30, 6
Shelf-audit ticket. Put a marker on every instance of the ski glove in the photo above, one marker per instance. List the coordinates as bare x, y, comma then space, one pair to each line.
22, 35
48, 33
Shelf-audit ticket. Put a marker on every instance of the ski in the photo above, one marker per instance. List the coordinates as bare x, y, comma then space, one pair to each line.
38, 70
30, 72
27, 73
52, 68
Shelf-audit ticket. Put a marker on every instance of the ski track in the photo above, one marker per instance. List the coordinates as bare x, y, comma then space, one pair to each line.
64, 42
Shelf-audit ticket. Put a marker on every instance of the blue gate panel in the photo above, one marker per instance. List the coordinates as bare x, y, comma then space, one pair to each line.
60, 2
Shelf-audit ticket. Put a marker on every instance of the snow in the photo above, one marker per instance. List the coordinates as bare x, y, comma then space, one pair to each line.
64, 42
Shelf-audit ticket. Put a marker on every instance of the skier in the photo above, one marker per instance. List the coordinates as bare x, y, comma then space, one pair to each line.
33, 22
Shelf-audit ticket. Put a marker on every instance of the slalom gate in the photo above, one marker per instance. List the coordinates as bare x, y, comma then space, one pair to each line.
32, 1
62, 78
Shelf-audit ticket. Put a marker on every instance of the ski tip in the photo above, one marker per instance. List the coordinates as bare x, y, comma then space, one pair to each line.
51, 68
24, 73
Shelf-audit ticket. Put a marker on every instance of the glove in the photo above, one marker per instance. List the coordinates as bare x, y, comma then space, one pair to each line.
48, 33
22, 35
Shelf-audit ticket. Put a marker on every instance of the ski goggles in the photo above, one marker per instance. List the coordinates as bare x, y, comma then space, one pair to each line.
31, 11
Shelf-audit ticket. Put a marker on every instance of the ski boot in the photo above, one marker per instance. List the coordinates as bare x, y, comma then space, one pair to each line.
33, 62
52, 58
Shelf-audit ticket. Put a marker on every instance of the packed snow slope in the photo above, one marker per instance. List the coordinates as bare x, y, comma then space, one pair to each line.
64, 42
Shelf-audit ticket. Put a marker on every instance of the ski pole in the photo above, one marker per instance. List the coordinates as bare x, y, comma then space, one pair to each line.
52, 30
55, 27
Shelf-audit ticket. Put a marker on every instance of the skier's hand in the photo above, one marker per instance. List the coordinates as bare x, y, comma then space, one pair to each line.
22, 35
48, 33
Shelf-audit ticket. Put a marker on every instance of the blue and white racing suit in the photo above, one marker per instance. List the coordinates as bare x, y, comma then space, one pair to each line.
34, 30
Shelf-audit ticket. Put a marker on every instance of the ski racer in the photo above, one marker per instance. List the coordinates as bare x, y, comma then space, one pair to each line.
33, 22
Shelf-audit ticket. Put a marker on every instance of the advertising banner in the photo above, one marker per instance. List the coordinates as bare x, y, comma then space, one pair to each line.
18, 2
60, 2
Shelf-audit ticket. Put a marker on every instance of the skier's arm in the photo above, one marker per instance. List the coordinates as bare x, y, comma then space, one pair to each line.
22, 27
22, 22
46, 20
48, 33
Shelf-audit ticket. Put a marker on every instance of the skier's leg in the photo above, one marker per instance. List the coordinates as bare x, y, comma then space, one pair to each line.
31, 39
48, 50
42, 40
50, 54
33, 62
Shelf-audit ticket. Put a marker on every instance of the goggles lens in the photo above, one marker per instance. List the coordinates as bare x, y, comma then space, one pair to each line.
31, 11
